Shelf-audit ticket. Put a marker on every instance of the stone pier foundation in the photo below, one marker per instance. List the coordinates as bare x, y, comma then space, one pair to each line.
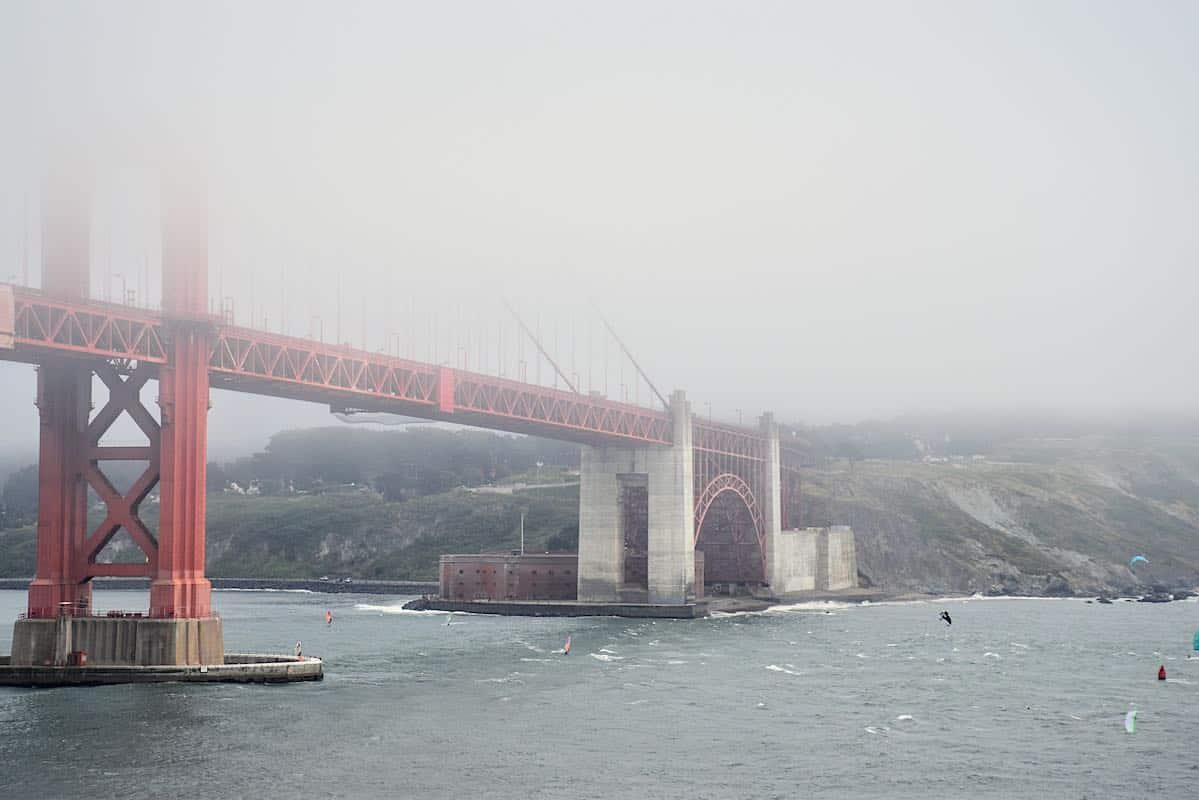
119, 641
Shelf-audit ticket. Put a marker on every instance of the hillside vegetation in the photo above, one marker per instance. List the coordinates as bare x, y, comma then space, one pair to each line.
1011, 507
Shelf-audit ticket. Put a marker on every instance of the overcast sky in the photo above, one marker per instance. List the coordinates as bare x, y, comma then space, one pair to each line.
831, 210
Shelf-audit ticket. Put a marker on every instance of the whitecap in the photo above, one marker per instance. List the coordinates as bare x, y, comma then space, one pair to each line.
777, 668
810, 605
878, 730
506, 679
397, 610
290, 591
991, 655
904, 717
1017, 644
606, 657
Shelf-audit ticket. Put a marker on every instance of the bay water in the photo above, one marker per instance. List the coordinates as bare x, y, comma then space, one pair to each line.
1018, 698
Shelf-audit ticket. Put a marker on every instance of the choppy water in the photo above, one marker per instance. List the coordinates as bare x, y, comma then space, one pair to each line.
1019, 698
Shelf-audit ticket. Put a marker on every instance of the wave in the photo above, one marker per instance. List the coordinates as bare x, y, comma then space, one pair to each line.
777, 668
290, 591
810, 605
606, 657
398, 610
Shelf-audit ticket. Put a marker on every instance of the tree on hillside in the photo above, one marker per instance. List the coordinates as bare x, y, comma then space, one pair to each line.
20, 497
399, 464
564, 541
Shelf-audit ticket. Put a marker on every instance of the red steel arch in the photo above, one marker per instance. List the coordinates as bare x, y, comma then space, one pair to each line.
728, 482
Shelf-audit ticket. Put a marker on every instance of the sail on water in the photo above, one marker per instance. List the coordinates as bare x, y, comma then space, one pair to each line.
566, 647
1130, 722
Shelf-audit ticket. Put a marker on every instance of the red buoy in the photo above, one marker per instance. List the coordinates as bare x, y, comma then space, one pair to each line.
1161, 672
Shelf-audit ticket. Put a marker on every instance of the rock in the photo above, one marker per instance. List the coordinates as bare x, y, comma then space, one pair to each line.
1183, 594
1107, 601
1157, 597
1058, 587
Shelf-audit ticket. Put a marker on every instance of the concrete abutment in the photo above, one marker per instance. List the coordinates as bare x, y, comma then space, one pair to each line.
667, 473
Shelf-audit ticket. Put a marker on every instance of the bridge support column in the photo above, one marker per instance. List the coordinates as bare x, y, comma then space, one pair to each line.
64, 396
180, 590
64, 400
772, 502
668, 475
672, 512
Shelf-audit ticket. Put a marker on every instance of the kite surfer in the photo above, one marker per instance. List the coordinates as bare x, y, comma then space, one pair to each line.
945, 616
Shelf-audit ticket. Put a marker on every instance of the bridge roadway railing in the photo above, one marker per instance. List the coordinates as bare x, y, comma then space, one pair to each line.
249, 360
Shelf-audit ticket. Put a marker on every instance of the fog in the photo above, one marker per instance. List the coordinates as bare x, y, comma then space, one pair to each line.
832, 211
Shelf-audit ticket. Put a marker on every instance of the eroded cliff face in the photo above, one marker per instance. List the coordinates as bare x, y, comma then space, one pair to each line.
1068, 526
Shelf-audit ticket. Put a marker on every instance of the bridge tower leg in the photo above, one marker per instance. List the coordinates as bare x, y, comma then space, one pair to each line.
64, 395
772, 502
180, 590
667, 473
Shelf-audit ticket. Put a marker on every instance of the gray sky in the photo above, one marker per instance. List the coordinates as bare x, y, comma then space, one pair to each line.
832, 210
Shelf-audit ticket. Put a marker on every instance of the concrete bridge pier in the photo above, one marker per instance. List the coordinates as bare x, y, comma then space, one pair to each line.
772, 502
610, 480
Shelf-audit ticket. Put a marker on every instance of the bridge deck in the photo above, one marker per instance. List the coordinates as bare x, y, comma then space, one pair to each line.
260, 362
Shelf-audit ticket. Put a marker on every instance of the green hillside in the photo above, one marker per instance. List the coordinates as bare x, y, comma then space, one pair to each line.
1000, 507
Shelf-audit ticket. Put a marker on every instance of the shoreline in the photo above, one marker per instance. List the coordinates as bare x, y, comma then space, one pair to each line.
264, 584
714, 603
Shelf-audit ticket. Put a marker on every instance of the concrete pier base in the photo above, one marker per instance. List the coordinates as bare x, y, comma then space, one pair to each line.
236, 668
665, 475
118, 641
562, 608
814, 560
